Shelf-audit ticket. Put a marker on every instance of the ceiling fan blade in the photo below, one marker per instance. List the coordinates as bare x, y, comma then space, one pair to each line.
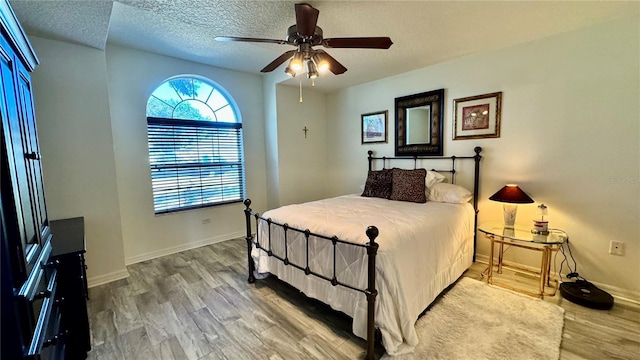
358, 42
277, 62
245, 39
334, 66
306, 19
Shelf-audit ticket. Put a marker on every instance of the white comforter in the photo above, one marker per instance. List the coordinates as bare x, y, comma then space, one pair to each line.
423, 249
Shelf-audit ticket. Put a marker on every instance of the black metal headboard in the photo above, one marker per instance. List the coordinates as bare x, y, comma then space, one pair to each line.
451, 170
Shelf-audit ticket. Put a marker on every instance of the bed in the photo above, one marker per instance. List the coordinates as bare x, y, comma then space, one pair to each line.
383, 276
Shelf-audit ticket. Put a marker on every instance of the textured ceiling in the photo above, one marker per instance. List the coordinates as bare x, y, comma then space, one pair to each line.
424, 32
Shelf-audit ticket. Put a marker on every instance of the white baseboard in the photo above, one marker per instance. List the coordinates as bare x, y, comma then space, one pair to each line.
181, 247
618, 293
106, 278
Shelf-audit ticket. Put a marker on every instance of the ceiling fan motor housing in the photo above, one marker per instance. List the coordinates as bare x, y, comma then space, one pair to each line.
295, 38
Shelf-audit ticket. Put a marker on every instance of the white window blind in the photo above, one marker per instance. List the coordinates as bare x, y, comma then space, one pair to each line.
195, 163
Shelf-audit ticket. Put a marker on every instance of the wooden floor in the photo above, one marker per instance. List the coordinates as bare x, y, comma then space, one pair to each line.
197, 305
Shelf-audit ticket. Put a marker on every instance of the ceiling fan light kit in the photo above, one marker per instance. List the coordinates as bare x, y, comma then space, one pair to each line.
304, 35
312, 71
296, 62
289, 71
321, 62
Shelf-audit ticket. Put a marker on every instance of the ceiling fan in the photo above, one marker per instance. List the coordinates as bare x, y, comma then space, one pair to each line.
304, 35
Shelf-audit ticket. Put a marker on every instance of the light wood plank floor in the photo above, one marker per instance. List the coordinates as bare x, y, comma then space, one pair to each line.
197, 305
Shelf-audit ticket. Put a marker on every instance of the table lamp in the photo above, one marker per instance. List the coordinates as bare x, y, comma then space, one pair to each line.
511, 195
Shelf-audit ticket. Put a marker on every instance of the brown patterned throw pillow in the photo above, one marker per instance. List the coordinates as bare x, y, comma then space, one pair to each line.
378, 184
408, 185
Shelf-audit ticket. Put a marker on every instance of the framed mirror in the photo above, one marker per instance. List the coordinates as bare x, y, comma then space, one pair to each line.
419, 124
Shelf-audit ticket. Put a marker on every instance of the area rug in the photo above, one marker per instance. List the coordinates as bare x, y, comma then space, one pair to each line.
474, 320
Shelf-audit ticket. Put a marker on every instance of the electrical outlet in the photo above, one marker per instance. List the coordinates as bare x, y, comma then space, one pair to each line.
206, 221
616, 248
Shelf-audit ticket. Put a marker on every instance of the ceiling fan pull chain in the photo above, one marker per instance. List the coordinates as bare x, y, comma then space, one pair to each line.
300, 89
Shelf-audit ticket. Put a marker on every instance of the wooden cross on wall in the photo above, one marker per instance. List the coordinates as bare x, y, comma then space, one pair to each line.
305, 132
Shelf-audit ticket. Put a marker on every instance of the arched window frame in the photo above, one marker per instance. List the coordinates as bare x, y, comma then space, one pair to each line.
196, 152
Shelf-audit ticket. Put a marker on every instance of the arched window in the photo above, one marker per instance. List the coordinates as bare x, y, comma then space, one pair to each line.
195, 145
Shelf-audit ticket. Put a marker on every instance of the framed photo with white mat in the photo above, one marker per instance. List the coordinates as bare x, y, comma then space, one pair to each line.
477, 117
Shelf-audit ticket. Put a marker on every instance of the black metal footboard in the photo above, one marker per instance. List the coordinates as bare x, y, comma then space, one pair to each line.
371, 248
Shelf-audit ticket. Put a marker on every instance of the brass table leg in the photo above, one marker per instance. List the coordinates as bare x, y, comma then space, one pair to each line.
543, 271
549, 256
490, 273
500, 255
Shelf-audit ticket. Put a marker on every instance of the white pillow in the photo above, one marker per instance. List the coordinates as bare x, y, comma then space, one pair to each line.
432, 178
449, 193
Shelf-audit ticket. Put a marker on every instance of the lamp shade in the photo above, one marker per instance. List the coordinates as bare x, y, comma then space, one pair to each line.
321, 61
297, 62
312, 71
511, 193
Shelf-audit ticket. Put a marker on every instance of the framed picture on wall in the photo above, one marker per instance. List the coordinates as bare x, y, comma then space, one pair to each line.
477, 117
374, 127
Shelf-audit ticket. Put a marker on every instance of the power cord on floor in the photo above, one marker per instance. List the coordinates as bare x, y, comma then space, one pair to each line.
573, 274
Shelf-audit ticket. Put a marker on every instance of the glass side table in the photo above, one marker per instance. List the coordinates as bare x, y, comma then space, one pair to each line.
523, 238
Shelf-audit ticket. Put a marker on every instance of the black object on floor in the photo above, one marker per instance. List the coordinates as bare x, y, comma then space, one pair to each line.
586, 294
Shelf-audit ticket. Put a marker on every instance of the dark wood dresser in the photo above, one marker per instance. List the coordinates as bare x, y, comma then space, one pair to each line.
68, 245
44, 291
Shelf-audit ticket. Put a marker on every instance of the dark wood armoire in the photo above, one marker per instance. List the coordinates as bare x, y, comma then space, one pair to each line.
44, 292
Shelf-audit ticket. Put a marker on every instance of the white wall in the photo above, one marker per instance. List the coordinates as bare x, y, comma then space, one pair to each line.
302, 161
570, 137
271, 138
90, 106
72, 111
133, 75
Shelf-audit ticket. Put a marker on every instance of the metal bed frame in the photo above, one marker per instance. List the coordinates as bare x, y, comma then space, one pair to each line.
371, 232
